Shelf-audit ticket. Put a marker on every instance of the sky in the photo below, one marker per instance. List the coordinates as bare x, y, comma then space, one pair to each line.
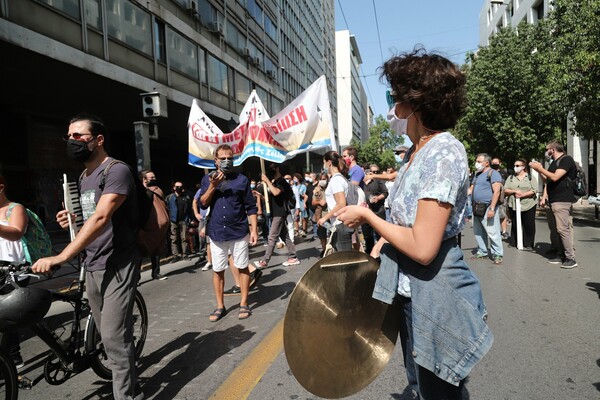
449, 27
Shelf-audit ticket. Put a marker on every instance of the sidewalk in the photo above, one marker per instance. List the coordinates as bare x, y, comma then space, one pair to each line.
586, 214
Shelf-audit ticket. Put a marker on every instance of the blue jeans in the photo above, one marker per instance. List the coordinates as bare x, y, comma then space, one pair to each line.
485, 229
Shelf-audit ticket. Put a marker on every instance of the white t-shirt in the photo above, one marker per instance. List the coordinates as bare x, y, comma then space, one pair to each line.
337, 184
11, 250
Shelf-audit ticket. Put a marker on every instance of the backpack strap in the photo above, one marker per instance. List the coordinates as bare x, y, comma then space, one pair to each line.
104, 173
10, 208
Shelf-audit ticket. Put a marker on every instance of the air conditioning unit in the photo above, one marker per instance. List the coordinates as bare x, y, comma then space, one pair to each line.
192, 6
217, 27
256, 61
271, 74
246, 52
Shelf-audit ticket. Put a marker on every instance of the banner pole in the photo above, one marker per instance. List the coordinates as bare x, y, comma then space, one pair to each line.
267, 206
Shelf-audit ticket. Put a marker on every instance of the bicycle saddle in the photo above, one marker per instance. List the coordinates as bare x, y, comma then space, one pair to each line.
22, 307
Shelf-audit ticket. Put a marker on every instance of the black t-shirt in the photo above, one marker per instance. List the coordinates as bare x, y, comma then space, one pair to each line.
310, 188
278, 203
562, 190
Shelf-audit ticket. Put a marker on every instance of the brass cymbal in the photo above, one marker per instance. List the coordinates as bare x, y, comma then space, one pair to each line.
337, 338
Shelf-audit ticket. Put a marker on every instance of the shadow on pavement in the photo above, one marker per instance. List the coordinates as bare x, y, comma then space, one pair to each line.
201, 351
595, 286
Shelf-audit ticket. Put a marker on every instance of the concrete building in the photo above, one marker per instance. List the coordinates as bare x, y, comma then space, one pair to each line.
63, 57
352, 107
497, 14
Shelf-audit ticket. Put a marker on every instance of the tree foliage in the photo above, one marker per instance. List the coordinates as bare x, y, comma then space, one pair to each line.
512, 111
379, 148
522, 87
575, 32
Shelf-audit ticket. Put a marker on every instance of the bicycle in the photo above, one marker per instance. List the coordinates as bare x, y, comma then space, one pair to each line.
76, 354
8, 378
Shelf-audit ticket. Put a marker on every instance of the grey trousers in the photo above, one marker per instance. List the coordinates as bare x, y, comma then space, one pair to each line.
279, 230
111, 294
179, 244
560, 223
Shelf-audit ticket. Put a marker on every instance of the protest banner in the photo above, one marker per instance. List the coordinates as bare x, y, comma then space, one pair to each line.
304, 125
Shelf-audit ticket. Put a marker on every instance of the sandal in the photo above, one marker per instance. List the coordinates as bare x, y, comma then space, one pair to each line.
244, 312
218, 314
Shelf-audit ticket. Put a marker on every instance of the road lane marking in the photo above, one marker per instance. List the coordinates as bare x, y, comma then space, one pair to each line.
245, 377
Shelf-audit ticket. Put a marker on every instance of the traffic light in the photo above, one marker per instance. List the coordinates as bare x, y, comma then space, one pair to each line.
154, 105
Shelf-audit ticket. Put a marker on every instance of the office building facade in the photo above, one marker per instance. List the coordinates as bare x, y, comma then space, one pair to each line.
61, 57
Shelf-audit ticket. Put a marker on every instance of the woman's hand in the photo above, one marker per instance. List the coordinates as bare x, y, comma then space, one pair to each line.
321, 221
377, 248
352, 216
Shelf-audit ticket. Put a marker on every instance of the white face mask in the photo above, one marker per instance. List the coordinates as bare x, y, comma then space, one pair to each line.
518, 170
548, 155
308, 179
479, 167
322, 183
398, 125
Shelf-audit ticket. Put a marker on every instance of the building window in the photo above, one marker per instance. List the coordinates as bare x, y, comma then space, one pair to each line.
255, 11
270, 28
69, 7
129, 24
159, 41
92, 14
539, 10
242, 88
234, 38
183, 54
217, 75
202, 55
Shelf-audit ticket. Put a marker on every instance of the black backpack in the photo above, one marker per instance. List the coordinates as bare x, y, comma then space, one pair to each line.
579, 184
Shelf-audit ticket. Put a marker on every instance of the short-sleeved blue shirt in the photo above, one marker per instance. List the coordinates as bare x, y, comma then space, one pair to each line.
231, 204
357, 174
482, 187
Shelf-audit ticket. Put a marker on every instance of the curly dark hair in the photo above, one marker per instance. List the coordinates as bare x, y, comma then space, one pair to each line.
431, 84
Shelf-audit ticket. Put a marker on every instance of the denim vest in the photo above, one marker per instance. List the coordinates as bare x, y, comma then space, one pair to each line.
450, 333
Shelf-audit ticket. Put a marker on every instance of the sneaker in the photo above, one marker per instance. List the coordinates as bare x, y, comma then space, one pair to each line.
504, 235
260, 264
568, 264
497, 260
291, 261
234, 290
302, 233
18, 360
478, 256
206, 267
555, 260
159, 277
255, 276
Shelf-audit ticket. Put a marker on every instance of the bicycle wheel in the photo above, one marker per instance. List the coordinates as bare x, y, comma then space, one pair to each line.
9, 382
93, 341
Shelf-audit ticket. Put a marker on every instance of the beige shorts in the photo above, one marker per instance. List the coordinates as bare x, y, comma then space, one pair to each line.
238, 250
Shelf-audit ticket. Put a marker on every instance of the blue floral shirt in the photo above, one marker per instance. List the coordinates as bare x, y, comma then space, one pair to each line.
438, 171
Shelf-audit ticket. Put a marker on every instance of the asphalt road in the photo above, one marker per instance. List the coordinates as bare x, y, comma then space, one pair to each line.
545, 321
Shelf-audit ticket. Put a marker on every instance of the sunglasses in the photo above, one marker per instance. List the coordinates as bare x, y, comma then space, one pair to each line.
225, 158
75, 135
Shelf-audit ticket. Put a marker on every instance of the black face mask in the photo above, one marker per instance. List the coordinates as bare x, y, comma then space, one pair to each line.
78, 150
152, 183
495, 166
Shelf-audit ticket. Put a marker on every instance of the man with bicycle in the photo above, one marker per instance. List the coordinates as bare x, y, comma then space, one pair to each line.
109, 240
